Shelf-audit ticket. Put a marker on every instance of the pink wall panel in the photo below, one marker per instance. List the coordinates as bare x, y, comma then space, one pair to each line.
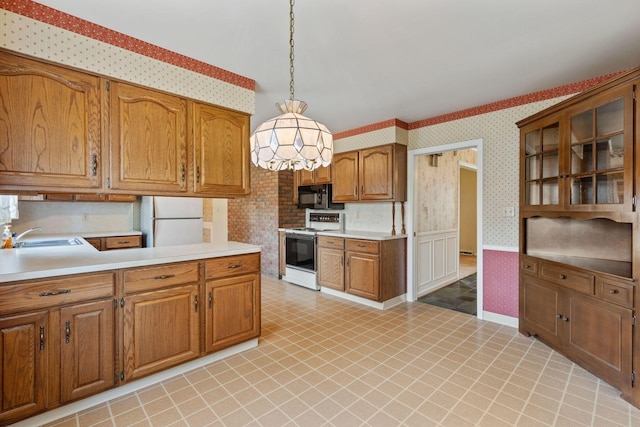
500, 282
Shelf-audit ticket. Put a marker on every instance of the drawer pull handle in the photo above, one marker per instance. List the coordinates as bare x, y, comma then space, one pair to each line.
562, 277
164, 276
125, 242
234, 265
526, 266
362, 246
52, 293
613, 291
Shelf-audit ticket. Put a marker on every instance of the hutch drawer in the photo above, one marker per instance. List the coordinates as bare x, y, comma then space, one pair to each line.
528, 265
579, 281
615, 291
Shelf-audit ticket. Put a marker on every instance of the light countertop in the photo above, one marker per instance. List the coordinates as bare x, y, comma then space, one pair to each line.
357, 234
43, 262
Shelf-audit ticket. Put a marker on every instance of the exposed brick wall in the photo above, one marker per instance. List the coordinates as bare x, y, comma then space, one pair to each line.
256, 218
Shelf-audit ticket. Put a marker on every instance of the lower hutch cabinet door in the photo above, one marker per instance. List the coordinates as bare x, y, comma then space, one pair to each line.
233, 313
161, 329
539, 308
87, 349
600, 335
24, 346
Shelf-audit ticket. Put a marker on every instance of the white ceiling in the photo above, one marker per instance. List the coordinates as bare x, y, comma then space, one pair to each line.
359, 62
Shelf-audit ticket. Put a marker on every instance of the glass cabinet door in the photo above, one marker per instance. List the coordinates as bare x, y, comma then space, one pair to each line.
601, 154
542, 154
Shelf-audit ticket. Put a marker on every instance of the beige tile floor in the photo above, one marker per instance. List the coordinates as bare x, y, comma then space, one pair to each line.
323, 361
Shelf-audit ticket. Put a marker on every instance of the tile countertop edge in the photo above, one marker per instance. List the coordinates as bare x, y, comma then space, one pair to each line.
367, 235
112, 260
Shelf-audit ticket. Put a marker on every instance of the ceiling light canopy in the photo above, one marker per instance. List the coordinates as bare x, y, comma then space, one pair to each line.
291, 140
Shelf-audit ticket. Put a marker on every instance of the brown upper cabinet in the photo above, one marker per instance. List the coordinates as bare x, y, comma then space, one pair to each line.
322, 175
372, 174
580, 157
148, 139
68, 131
50, 118
221, 151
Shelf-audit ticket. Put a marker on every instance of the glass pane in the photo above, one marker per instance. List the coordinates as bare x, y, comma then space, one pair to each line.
581, 158
610, 188
610, 153
582, 126
610, 117
550, 192
532, 142
551, 137
550, 164
532, 170
582, 191
533, 193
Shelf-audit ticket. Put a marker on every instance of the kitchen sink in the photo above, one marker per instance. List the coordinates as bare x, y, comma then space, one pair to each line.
47, 243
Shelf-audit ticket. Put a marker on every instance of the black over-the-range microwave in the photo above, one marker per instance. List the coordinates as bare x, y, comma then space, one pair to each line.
316, 197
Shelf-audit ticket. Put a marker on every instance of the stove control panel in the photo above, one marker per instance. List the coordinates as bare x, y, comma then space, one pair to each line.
324, 217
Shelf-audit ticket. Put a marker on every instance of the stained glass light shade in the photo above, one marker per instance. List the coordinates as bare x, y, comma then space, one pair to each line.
291, 140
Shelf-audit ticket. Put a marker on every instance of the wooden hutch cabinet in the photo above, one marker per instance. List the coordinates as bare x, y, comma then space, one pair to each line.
579, 266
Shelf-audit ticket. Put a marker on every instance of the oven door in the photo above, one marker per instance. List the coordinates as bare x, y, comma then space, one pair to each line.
301, 251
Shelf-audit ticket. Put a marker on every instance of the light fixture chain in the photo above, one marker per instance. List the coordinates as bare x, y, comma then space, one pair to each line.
291, 56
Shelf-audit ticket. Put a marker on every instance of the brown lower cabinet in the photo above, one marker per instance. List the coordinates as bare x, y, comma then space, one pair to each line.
582, 314
67, 338
371, 269
57, 342
115, 242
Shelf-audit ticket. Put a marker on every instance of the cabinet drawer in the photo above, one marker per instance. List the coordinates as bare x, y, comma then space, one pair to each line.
123, 242
65, 290
576, 280
144, 279
528, 265
615, 291
232, 265
331, 242
364, 246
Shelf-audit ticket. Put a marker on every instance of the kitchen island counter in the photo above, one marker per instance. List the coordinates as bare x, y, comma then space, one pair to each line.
36, 263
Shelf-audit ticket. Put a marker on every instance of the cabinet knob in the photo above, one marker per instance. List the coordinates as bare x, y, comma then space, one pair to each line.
613, 291
526, 266
565, 318
558, 316
562, 277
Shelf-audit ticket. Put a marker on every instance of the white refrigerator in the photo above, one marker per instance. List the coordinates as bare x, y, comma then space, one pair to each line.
169, 221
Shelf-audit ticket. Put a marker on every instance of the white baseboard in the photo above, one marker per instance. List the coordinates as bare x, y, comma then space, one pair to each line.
374, 304
501, 319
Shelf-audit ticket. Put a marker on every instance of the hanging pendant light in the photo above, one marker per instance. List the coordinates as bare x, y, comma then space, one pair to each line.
291, 140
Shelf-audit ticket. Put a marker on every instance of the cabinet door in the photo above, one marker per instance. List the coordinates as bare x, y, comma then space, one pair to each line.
233, 311
24, 365
322, 175
540, 306
50, 119
305, 177
161, 329
87, 349
221, 151
148, 140
331, 268
599, 335
599, 169
344, 177
363, 278
376, 173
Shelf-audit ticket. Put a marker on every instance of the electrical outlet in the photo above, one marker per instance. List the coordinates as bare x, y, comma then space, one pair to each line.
509, 211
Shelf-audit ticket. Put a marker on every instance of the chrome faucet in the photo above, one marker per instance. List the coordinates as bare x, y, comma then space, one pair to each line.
21, 235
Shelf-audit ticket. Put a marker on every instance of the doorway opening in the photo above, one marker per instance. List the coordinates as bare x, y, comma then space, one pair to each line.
438, 250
